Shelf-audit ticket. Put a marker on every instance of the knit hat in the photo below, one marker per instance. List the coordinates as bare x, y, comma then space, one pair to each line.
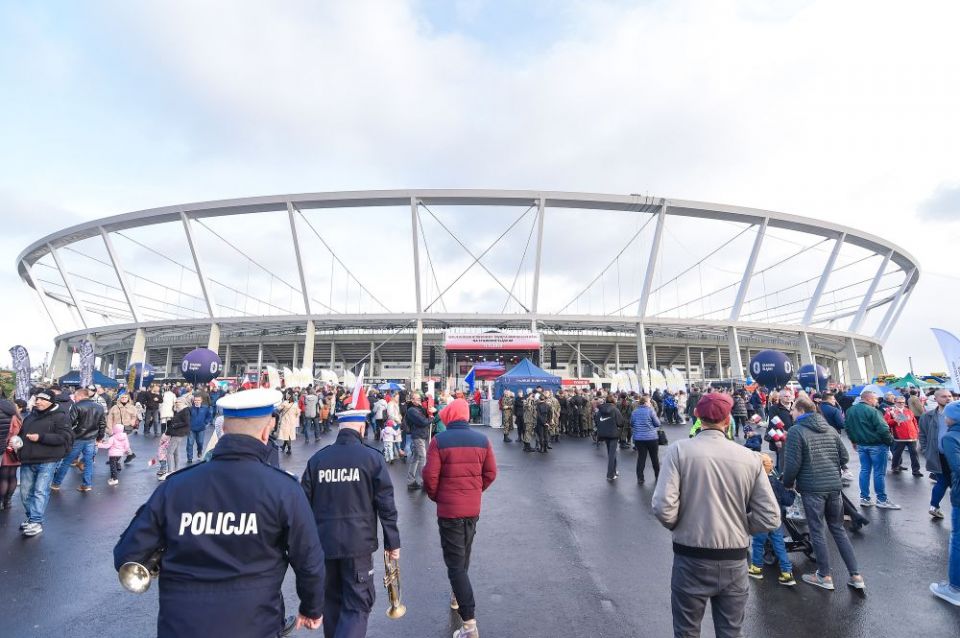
714, 407
952, 411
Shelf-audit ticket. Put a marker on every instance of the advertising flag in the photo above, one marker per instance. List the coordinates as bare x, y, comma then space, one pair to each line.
21, 366
950, 346
87, 357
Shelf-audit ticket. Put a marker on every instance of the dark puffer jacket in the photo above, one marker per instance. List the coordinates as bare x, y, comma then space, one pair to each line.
56, 437
460, 466
814, 455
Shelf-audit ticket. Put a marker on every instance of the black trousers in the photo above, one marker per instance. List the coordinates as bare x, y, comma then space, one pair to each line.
456, 540
612, 446
911, 447
114, 467
348, 597
643, 449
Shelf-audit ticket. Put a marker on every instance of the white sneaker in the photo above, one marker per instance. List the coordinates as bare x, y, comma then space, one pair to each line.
467, 632
847, 476
32, 529
946, 592
866, 502
936, 512
112, 481
24, 524
162, 477
887, 505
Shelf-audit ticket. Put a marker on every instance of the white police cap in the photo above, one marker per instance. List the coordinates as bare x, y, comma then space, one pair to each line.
248, 404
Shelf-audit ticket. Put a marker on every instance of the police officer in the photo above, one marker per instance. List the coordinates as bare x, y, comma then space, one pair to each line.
228, 529
349, 488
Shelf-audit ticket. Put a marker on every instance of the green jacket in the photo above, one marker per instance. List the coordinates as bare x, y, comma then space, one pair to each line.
865, 426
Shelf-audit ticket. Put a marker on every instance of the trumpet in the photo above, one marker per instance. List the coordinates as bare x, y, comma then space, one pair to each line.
135, 577
391, 580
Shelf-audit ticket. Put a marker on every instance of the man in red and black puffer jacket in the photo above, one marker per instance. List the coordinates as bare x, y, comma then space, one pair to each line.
460, 466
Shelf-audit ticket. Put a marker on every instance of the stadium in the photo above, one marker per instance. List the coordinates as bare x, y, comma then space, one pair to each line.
419, 285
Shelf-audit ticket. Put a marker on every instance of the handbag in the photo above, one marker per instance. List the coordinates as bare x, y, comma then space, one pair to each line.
662, 437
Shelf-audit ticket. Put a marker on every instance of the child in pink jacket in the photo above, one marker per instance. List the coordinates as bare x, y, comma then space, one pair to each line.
117, 446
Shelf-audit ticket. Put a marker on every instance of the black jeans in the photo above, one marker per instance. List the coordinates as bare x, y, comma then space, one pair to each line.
643, 449
456, 540
910, 446
612, 447
114, 467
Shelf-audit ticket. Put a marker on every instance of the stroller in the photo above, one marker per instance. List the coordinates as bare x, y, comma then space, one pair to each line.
797, 538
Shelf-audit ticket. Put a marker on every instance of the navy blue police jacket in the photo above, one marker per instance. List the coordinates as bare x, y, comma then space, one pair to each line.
349, 487
229, 528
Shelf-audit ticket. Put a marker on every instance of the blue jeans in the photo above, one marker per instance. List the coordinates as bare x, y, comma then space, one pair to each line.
939, 490
85, 448
953, 569
35, 480
195, 437
779, 548
311, 424
873, 459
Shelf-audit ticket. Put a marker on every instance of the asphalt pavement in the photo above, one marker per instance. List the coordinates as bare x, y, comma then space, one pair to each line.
559, 552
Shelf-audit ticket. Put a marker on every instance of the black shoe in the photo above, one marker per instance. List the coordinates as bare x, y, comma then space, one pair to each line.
414, 486
527, 448
639, 481
507, 439
918, 473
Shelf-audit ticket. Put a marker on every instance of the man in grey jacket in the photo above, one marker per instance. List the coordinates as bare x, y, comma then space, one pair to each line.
814, 455
713, 495
932, 430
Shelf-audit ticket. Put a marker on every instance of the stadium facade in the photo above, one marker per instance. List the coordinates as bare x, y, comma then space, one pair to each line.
830, 315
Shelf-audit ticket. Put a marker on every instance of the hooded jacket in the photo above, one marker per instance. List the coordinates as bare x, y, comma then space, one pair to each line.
56, 437
460, 465
117, 444
608, 421
814, 456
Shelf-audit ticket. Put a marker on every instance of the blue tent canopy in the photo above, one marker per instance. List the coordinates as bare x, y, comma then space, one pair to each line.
525, 375
73, 378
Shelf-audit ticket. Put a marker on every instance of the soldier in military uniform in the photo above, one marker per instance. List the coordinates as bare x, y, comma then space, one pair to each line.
564, 414
507, 413
626, 406
554, 416
518, 413
573, 415
586, 415
529, 421
349, 488
228, 529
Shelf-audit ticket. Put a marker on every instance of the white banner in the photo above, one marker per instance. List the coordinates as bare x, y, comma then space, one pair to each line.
492, 340
950, 346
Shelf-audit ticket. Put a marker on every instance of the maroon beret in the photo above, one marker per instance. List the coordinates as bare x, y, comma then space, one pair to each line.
714, 407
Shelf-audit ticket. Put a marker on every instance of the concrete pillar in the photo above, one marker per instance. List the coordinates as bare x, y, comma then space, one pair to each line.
686, 371
720, 374
854, 375
805, 350
868, 363
259, 362
227, 370
653, 356
139, 351
642, 361
62, 355
372, 362
333, 354
214, 342
879, 363
835, 369
309, 342
418, 357
703, 367
616, 355
736, 362
168, 364
579, 363
296, 353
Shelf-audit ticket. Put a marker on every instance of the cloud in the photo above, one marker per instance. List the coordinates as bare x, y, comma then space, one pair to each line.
944, 204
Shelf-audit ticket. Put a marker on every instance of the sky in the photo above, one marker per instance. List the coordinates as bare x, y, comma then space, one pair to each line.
836, 110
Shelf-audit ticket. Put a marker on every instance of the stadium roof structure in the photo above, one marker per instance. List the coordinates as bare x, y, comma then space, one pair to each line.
663, 275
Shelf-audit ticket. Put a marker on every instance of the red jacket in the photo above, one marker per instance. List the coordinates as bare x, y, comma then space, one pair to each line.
460, 466
903, 425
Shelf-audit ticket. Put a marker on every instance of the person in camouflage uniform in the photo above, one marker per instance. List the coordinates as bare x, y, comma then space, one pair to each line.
554, 427
529, 421
506, 411
626, 406
564, 411
586, 415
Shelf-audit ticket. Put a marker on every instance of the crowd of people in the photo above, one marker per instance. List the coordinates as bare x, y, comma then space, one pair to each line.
805, 462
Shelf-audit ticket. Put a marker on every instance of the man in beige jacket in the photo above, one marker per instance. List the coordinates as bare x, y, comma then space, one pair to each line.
713, 495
